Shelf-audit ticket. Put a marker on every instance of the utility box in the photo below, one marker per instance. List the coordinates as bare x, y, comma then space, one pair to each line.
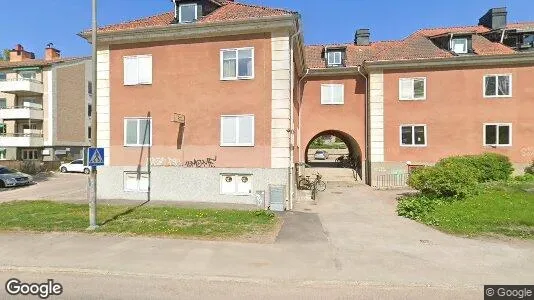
277, 197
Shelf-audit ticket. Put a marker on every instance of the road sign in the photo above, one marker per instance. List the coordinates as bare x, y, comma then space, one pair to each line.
96, 157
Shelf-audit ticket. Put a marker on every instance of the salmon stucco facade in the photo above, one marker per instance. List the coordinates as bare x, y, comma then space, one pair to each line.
219, 101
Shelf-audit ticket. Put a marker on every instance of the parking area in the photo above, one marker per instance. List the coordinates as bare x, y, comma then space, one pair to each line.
56, 186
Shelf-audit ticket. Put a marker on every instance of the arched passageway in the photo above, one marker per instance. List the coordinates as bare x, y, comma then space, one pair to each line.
334, 149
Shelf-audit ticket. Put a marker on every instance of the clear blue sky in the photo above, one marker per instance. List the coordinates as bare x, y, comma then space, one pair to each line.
325, 21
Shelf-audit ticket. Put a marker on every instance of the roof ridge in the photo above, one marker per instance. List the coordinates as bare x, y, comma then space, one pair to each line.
449, 27
136, 20
260, 6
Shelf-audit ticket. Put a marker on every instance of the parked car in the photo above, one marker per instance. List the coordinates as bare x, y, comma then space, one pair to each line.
10, 177
75, 166
321, 155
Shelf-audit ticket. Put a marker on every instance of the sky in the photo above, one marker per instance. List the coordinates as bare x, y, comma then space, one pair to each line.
325, 21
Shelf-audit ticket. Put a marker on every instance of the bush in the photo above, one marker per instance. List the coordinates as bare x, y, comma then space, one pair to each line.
487, 167
416, 207
530, 169
528, 177
446, 180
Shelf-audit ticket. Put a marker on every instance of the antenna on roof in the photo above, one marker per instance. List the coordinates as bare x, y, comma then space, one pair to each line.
50, 45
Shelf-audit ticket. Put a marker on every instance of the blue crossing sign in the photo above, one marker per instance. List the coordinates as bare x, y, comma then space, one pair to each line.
95, 157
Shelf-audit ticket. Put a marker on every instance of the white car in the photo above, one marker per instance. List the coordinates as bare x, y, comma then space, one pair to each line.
75, 166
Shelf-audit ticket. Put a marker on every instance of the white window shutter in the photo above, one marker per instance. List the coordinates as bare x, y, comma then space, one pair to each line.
130, 70
145, 69
228, 130
338, 92
406, 88
246, 130
325, 94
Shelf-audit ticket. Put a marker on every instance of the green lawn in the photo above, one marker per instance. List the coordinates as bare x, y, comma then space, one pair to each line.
502, 209
45, 216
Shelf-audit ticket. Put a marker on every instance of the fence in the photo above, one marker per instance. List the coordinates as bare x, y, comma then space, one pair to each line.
31, 166
391, 181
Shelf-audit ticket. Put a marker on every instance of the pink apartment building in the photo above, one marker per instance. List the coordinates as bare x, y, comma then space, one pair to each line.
218, 101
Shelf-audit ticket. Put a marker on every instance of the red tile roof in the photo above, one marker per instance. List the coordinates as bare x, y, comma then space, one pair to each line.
38, 62
414, 47
229, 11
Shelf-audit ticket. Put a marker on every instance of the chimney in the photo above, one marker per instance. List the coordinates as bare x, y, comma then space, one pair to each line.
19, 54
52, 53
495, 18
361, 37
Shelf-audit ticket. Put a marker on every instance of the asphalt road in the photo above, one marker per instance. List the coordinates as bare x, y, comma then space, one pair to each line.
113, 286
57, 186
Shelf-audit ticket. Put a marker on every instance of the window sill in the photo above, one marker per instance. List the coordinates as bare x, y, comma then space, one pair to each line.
235, 146
497, 146
413, 146
414, 99
498, 97
236, 194
138, 84
332, 103
237, 79
137, 146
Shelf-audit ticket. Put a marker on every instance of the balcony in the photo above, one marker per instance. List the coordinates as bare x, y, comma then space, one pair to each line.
34, 112
22, 139
22, 87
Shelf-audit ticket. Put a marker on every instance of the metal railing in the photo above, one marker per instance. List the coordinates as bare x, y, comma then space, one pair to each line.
22, 107
37, 135
22, 79
391, 181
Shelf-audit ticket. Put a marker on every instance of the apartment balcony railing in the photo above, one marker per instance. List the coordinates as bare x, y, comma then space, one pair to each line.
21, 86
34, 112
29, 139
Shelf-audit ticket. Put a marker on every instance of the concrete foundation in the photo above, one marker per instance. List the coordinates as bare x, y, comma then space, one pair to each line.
187, 184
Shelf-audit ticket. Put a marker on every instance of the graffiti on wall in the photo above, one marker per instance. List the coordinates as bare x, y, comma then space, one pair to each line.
527, 152
174, 162
201, 163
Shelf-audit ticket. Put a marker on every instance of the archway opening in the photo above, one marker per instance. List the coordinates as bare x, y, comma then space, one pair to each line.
334, 149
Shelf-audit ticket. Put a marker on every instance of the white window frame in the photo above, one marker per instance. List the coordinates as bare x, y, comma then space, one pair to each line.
453, 40
331, 85
412, 98
237, 77
334, 53
178, 14
138, 133
235, 177
497, 137
138, 189
413, 145
138, 82
510, 77
223, 144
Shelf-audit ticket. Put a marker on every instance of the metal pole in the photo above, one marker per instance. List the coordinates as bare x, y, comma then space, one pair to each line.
92, 201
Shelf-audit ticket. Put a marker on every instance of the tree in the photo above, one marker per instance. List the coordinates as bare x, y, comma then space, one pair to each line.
4, 55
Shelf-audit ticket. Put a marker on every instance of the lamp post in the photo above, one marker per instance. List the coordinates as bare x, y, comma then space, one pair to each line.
92, 180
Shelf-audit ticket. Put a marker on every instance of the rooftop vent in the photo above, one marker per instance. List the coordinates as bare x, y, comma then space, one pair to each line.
495, 18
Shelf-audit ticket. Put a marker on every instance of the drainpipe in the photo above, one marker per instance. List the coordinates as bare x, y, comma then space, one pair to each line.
367, 129
502, 35
291, 128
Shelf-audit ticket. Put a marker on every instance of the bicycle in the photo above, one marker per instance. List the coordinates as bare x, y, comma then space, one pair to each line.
317, 183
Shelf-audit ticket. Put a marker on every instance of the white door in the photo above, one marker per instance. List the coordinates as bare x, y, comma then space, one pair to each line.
244, 184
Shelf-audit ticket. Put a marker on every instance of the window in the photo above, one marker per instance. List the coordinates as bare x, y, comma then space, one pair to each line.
413, 135
497, 86
28, 75
138, 69
3, 153
332, 94
412, 88
498, 134
237, 64
459, 45
3, 76
237, 131
89, 132
236, 184
528, 39
334, 58
89, 110
3, 128
3, 103
187, 12
30, 154
136, 182
89, 87
137, 132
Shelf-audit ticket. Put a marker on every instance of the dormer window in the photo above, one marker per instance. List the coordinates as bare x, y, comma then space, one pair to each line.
528, 40
187, 13
459, 45
334, 58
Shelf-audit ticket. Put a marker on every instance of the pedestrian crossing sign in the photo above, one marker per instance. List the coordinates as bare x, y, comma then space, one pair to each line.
96, 157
